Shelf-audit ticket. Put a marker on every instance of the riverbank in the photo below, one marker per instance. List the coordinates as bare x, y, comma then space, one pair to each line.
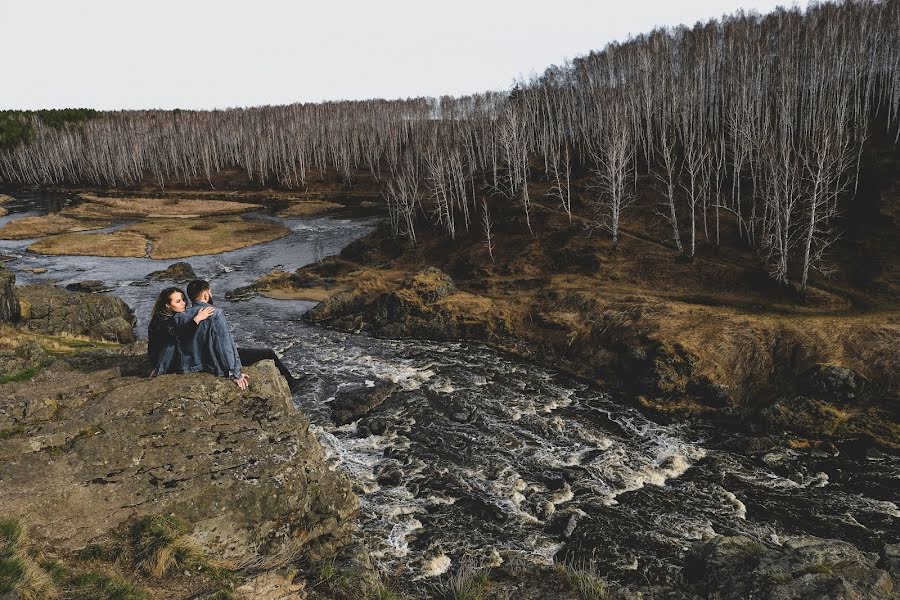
168, 224
705, 338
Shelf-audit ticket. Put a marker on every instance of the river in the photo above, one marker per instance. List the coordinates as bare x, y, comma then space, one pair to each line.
480, 455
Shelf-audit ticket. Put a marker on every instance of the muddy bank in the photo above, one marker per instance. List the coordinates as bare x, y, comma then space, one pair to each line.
685, 343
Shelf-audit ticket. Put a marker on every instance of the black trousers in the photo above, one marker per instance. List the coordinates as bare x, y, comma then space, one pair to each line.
251, 356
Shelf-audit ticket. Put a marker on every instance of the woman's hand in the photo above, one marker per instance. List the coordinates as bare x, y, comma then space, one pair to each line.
204, 313
242, 382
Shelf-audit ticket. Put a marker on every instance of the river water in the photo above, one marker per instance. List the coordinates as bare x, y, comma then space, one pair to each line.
479, 455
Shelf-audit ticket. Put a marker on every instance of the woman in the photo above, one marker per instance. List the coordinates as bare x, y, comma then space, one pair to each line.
166, 328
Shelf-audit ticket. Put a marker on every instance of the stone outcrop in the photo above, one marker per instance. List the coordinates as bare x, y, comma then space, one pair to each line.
426, 304
9, 299
93, 444
181, 272
89, 286
50, 310
805, 567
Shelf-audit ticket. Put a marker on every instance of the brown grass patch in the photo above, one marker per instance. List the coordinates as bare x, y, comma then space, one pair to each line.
310, 294
308, 208
117, 243
4, 198
53, 224
155, 208
179, 239
3, 212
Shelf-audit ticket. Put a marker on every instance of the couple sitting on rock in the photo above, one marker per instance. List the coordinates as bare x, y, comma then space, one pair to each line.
184, 339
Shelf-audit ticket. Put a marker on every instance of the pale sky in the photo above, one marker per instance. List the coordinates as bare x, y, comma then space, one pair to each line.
196, 54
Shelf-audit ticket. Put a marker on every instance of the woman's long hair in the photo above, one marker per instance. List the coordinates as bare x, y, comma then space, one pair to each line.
159, 307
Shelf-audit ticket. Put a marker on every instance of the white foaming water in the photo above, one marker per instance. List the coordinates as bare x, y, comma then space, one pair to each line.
406, 376
397, 539
442, 386
817, 480
739, 506
357, 456
436, 565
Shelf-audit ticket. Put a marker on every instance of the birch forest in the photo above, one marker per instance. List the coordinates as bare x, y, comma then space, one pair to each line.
756, 123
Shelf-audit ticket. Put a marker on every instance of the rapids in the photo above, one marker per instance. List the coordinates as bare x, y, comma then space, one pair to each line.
479, 455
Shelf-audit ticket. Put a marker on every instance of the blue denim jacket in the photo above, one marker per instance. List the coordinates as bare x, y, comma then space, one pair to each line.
166, 336
212, 348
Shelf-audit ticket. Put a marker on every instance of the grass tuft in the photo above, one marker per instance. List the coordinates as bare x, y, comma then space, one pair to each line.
105, 586
469, 582
19, 573
162, 542
584, 579
23, 375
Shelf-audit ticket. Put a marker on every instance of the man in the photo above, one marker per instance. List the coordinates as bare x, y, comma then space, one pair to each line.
212, 348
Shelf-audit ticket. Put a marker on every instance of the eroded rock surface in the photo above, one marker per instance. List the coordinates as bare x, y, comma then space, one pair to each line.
806, 567
90, 445
9, 299
51, 310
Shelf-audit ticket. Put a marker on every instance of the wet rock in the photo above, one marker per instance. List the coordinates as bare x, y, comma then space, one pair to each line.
352, 405
9, 297
890, 560
830, 382
804, 567
242, 467
51, 310
390, 476
181, 272
7, 258
241, 294
89, 286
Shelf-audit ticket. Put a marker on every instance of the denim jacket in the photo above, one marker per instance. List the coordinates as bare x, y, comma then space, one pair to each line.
212, 349
166, 336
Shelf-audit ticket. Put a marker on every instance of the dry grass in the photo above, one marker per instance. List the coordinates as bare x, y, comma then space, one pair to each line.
53, 224
117, 243
179, 239
309, 294
12, 337
155, 208
4, 198
20, 575
162, 543
168, 238
308, 208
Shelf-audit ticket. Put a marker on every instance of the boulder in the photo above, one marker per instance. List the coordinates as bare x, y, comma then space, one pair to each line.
830, 382
243, 468
351, 405
9, 298
804, 567
180, 272
50, 310
89, 286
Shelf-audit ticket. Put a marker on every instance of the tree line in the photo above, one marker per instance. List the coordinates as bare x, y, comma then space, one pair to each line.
755, 122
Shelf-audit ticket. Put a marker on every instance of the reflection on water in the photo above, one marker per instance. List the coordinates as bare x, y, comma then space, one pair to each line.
478, 453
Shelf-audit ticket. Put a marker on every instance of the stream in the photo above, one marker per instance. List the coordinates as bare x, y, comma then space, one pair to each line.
480, 455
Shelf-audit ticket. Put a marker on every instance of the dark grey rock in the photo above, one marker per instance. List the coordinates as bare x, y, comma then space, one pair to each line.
89, 286
9, 298
52, 310
734, 568
352, 405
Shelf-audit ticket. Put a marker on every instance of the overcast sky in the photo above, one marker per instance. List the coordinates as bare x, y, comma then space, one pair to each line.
123, 54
